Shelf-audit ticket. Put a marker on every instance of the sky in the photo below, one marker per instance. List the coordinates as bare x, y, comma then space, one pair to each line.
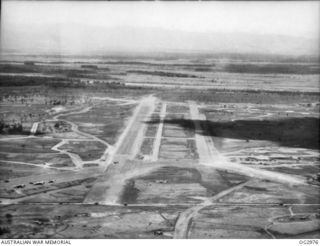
54, 24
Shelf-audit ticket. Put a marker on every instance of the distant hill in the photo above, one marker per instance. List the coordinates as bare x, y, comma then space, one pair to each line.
81, 39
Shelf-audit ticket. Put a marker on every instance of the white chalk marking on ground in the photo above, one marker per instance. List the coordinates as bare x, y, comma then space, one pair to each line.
34, 128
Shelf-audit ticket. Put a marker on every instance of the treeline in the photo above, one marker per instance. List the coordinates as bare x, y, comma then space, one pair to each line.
239, 96
6, 80
67, 72
163, 74
12, 129
54, 82
11, 68
273, 68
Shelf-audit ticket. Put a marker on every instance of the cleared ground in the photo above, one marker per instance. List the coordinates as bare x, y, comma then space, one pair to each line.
119, 162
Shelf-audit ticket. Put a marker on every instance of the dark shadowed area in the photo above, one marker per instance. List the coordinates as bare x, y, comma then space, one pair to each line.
290, 132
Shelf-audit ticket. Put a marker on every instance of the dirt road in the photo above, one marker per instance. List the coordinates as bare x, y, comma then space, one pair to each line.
185, 218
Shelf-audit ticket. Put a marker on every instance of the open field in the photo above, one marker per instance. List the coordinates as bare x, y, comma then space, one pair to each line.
159, 147
185, 72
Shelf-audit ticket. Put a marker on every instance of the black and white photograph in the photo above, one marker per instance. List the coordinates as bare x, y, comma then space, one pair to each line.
159, 120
